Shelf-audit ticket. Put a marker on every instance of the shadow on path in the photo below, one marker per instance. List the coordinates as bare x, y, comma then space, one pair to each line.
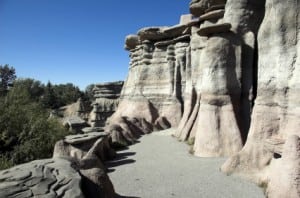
120, 196
120, 159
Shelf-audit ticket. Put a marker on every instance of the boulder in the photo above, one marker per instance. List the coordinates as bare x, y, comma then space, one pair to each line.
131, 41
89, 151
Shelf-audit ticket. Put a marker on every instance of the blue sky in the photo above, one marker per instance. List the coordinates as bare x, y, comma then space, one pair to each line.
77, 41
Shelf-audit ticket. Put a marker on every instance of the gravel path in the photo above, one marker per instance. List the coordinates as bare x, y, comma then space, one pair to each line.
161, 167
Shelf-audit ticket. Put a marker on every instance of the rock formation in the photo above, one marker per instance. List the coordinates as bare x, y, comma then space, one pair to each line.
106, 101
79, 109
152, 98
230, 70
89, 151
90, 116
76, 170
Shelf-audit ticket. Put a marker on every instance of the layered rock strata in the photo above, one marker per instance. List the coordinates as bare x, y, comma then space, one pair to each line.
152, 96
106, 97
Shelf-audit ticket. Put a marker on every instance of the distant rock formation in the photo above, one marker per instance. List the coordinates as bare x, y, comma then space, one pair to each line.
230, 69
106, 101
92, 114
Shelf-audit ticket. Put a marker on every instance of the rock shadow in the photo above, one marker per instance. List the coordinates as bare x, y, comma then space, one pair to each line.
119, 160
121, 196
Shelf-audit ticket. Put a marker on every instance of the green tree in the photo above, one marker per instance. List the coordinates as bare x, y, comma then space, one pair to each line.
34, 88
66, 94
88, 93
49, 99
26, 131
7, 76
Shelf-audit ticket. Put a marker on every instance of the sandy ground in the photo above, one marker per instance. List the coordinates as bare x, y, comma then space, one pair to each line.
161, 167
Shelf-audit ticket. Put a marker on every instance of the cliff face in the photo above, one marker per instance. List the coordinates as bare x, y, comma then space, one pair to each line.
231, 70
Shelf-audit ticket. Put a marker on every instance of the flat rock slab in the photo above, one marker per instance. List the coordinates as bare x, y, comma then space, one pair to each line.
80, 138
41, 178
160, 166
74, 120
215, 14
92, 129
212, 29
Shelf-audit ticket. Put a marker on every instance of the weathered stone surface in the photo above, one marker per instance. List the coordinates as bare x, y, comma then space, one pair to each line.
131, 42
283, 177
78, 146
89, 151
78, 109
42, 178
152, 98
106, 101
218, 96
276, 111
81, 138
212, 29
198, 7
215, 14
74, 123
110, 90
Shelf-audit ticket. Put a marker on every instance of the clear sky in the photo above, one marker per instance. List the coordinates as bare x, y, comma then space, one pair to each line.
77, 41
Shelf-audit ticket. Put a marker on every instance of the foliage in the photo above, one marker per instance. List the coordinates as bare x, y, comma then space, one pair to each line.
7, 76
88, 93
26, 131
56, 96
66, 93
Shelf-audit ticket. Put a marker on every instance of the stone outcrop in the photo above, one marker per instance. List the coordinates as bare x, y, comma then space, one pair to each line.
106, 101
89, 151
79, 109
74, 123
91, 116
76, 170
41, 178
